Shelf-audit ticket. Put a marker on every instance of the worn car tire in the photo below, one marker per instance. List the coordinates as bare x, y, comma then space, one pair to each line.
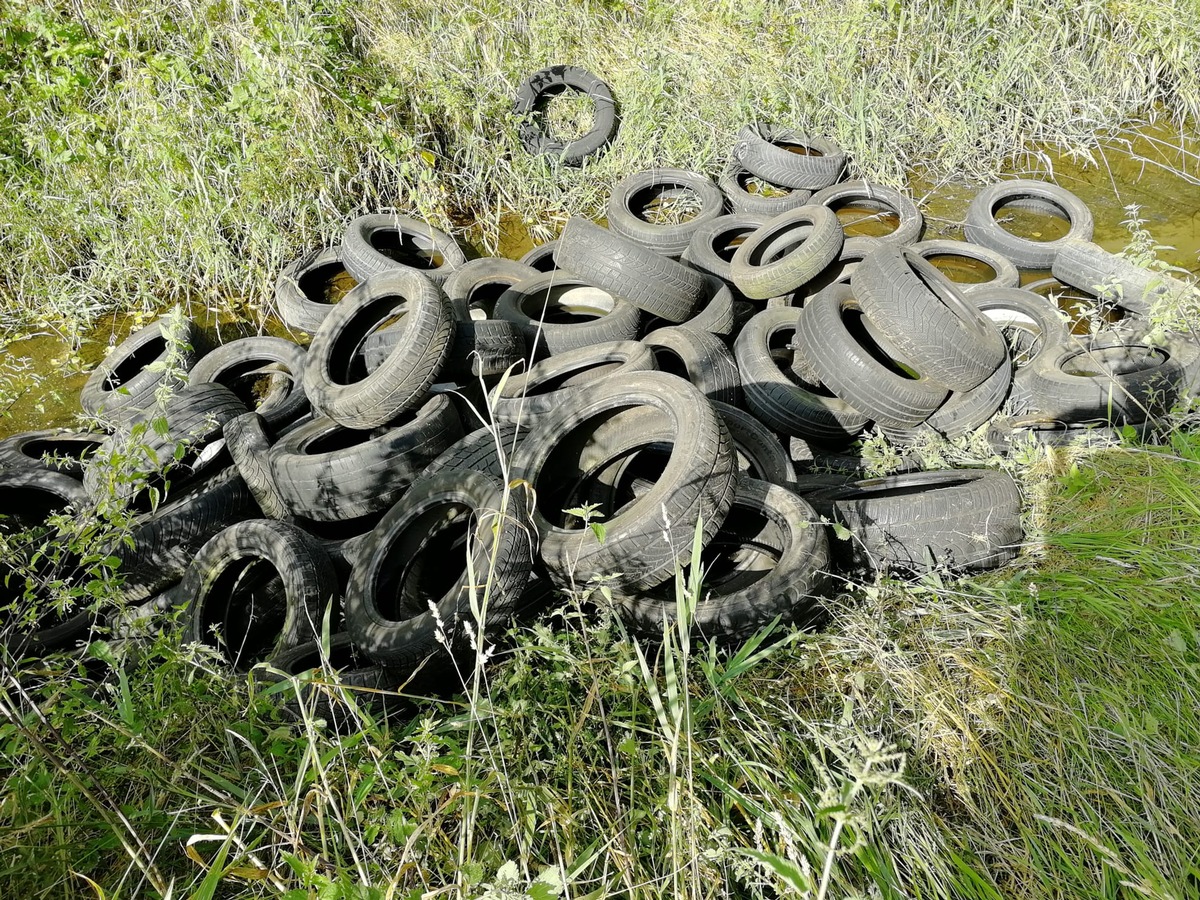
379, 243
982, 228
556, 80
633, 194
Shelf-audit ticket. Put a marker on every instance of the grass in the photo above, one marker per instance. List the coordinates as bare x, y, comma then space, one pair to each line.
1032, 733
155, 152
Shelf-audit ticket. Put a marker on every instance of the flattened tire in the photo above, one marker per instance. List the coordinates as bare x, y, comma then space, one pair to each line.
763, 149
966, 519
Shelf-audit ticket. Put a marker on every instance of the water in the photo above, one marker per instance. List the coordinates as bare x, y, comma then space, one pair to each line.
1155, 169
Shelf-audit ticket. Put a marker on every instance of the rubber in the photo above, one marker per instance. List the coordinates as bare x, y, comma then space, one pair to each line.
58, 449
388, 612
327, 472
849, 362
551, 383
646, 541
733, 184
248, 445
713, 244
174, 444
541, 257
478, 451
715, 314
239, 364
770, 559
758, 149
927, 318
475, 286
786, 252
841, 270
482, 348
403, 379
758, 450
963, 519
1004, 273
163, 543
557, 312
777, 397
632, 194
870, 195
126, 379
28, 497
415, 246
221, 585
982, 228
1115, 280
1032, 326
698, 357
650, 281
555, 79
301, 287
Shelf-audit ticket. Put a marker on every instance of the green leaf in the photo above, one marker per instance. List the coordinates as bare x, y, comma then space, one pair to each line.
598, 530
841, 531
788, 872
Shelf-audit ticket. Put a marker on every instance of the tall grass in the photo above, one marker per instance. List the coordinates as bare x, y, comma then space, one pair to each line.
157, 151
1029, 734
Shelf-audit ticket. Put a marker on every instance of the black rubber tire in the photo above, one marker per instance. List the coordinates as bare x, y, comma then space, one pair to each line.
927, 318
249, 447
402, 381
1113, 279
758, 450
1004, 273
302, 288
28, 497
1106, 379
633, 194
762, 149
125, 380
359, 686
647, 540
841, 270
777, 397
733, 184
236, 364
327, 472
478, 451
130, 470
558, 79
849, 362
389, 618
538, 306
714, 243
524, 399
413, 245
878, 198
164, 542
475, 286
214, 584
342, 541
770, 559
59, 450
699, 357
482, 348
786, 252
965, 519
982, 228
1032, 326
650, 281
715, 314
541, 257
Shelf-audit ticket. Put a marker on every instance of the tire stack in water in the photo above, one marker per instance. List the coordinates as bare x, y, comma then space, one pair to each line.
462, 438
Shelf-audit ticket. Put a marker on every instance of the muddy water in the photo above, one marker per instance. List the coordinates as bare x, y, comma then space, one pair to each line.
1155, 169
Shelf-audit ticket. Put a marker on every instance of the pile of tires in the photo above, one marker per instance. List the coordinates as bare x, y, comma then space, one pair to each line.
461, 439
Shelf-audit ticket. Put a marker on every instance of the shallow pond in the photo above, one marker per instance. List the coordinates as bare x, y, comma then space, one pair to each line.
1156, 169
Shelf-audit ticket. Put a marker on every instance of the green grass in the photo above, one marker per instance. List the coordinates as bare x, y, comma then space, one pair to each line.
1032, 733
157, 151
